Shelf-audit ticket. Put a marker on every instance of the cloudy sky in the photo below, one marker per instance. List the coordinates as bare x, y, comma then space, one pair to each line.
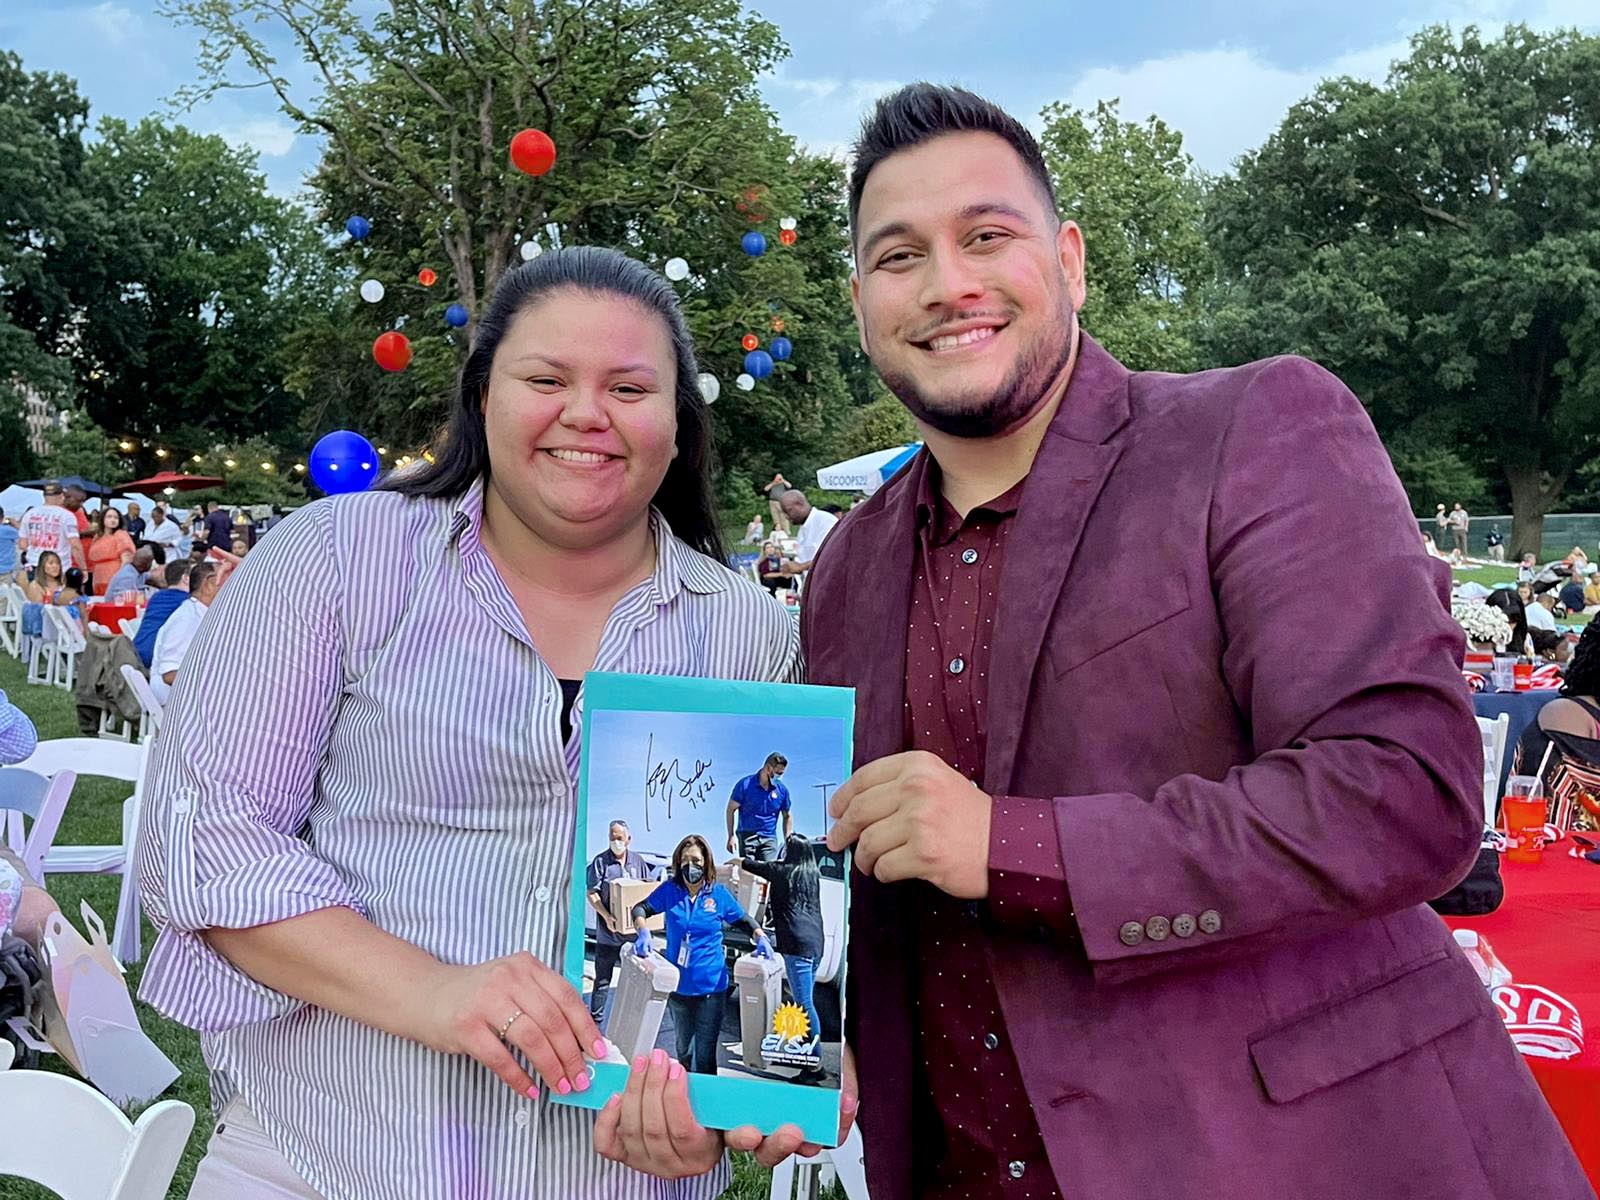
1221, 71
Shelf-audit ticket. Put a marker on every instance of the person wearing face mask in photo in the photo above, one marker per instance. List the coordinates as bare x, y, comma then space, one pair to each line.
697, 909
616, 861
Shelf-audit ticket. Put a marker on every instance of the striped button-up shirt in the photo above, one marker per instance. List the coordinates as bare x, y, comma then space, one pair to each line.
362, 720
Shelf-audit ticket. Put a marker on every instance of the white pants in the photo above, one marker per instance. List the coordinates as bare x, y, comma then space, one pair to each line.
241, 1163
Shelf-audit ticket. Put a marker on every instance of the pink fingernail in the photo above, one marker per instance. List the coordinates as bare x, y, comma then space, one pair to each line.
599, 1047
658, 1058
563, 1087
581, 1083
640, 1063
533, 1092
676, 1072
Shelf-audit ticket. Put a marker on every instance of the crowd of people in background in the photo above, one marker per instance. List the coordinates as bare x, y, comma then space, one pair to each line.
168, 567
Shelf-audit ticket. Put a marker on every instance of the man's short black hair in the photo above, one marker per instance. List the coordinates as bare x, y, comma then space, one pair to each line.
198, 574
920, 112
172, 574
776, 760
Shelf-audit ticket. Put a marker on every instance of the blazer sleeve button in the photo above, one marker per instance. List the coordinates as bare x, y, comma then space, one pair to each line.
1157, 928
1183, 925
1210, 921
1131, 934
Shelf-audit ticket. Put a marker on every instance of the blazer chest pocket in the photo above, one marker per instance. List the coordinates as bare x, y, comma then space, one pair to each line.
1077, 641
1368, 1029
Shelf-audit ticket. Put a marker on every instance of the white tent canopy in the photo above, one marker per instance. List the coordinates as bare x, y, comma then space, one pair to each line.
866, 472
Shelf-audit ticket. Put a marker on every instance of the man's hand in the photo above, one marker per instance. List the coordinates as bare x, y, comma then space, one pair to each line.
912, 816
733, 844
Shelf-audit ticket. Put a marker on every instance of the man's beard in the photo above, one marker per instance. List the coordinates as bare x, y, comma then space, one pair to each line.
1016, 399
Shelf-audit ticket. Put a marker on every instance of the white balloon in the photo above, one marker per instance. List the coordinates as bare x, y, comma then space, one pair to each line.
787, 223
747, 383
676, 269
710, 387
372, 291
531, 251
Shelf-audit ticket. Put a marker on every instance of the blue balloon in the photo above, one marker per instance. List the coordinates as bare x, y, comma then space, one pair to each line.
343, 461
758, 364
455, 315
781, 348
358, 227
755, 244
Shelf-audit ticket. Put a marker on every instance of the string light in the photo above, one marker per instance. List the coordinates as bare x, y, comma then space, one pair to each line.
300, 467
125, 445
197, 458
266, 466
228, 462
383, 449
161, 453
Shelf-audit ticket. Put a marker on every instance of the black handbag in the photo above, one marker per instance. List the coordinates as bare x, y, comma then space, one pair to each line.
1479, 894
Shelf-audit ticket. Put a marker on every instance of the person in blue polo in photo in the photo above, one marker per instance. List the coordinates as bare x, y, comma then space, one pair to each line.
754, 807
697, 909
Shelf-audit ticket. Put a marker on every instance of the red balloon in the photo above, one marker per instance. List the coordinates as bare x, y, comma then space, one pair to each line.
392, 351
750, 341
426, 277
532, 152
787, 236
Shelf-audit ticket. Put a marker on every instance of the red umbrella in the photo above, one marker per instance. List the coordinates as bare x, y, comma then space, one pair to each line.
172, 479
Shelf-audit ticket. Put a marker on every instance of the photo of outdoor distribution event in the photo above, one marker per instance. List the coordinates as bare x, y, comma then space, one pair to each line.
915, 599
707, 844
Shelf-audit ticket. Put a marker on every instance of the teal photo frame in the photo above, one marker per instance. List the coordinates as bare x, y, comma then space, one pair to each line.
719, 1101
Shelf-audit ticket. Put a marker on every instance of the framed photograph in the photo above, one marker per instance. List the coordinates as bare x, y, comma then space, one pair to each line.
708, 917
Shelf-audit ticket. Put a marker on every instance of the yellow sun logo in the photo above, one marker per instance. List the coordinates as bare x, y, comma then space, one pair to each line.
790, 1021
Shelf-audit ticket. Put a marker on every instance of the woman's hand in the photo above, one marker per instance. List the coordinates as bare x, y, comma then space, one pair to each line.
466, 1010
787, 1139
650, 1127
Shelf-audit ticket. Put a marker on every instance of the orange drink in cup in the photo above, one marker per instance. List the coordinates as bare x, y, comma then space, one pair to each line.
1523, 813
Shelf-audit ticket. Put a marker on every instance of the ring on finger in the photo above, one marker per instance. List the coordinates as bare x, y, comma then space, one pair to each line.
510, 1021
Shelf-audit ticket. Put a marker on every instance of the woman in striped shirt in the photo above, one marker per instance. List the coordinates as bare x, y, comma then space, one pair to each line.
362, 902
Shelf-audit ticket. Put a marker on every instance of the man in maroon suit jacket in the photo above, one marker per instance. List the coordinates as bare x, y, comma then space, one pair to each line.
1146, 838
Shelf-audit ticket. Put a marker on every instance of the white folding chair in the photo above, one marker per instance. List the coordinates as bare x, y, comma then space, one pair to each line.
69, 643
11, 600
38, 649
129, 626
1495, 732
151, 709
112, 760
63, 1134
42, 800
845, 1163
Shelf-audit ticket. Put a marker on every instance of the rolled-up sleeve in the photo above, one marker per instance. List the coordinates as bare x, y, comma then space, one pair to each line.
232, 776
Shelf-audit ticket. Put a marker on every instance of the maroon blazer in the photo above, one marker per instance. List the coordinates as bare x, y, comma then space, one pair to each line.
1295, 776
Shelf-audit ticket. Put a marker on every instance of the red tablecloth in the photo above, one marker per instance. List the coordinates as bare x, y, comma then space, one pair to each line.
112, 615
1548, 933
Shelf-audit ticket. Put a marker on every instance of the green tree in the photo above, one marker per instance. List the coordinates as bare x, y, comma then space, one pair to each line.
661, 136
875, 426
1436, 240
43, 215
254, 473
225, 272
83, 448
17, 459
1432, 474
1138, 198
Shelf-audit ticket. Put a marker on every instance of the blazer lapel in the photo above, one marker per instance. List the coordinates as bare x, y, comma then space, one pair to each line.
882, 560
1072, 466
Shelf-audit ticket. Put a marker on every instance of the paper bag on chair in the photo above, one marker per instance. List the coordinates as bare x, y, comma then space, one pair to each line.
88, 1016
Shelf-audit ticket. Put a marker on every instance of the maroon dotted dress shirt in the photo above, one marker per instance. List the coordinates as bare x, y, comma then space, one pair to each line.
988, 1146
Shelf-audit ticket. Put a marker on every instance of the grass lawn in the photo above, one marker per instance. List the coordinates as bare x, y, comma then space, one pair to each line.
1490, 576
94, 816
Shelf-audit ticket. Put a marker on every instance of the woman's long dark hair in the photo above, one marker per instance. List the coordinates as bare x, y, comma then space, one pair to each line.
1508, 602
685, 495
1583, 672
805, 878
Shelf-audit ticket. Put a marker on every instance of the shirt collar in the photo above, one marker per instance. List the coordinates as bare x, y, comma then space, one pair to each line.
678, 566
939, 518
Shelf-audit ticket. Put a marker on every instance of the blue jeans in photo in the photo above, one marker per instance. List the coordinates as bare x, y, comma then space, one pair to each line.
698, 1020
802, 973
